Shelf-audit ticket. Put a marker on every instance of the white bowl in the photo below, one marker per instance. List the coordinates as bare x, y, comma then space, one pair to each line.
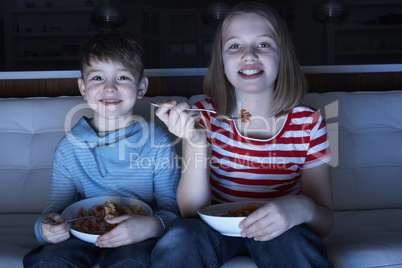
229, 226
73, 209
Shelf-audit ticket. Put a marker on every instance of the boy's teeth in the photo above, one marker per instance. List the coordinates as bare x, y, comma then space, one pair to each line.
249, 72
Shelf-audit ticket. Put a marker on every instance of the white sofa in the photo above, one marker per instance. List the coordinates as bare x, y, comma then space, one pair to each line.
365, 130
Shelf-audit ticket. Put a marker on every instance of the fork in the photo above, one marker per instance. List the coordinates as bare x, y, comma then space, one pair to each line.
208, 110
76, 219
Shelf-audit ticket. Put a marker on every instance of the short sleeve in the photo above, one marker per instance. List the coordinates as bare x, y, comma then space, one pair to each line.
319, 150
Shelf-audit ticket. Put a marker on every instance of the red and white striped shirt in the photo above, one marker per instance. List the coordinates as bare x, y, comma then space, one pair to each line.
244, 168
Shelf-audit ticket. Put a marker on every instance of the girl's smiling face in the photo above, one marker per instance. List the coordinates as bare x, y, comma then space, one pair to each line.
250, 53
111, 90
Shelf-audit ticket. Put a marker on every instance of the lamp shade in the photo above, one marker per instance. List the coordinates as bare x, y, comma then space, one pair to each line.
214, 13
108, 16
330, 11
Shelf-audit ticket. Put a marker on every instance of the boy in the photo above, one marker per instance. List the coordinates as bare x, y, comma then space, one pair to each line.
96, 159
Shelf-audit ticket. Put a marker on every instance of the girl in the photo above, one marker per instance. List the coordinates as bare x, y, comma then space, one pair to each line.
279, 154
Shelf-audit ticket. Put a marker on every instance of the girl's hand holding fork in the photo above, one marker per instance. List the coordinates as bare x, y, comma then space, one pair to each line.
183, 124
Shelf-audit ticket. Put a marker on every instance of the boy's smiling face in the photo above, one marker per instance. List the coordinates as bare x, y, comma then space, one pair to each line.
111, 90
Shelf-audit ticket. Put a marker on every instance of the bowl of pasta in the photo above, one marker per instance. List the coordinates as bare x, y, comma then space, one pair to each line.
89, 229
225, 218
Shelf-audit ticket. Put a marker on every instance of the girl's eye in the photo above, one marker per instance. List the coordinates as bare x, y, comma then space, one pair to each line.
235, 46
264, 45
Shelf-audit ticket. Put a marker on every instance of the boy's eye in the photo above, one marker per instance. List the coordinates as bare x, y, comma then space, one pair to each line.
97, 78
123, 78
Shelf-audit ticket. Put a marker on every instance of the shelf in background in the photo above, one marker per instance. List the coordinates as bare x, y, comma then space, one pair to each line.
52, 9
368, 27
54, 58
370, 35
372, 2
53, 34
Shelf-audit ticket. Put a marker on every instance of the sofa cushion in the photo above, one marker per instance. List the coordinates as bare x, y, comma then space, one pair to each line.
370, 238
240, 262
17, 238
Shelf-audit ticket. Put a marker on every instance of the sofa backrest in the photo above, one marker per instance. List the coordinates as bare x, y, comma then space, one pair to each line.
365, 132
29, 131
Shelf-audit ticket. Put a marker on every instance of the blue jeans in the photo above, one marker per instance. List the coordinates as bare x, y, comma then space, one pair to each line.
192, 243
76, 253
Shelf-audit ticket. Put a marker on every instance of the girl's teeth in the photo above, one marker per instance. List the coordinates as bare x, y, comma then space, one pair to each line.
249, 72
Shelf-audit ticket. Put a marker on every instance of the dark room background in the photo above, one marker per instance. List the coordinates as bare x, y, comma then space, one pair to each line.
46, 34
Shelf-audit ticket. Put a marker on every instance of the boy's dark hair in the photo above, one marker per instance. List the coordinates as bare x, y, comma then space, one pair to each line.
113, 46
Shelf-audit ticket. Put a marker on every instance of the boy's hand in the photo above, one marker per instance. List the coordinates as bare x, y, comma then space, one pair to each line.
55, 233
130, 229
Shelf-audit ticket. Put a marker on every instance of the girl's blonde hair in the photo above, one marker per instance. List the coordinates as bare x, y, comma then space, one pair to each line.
290, 85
